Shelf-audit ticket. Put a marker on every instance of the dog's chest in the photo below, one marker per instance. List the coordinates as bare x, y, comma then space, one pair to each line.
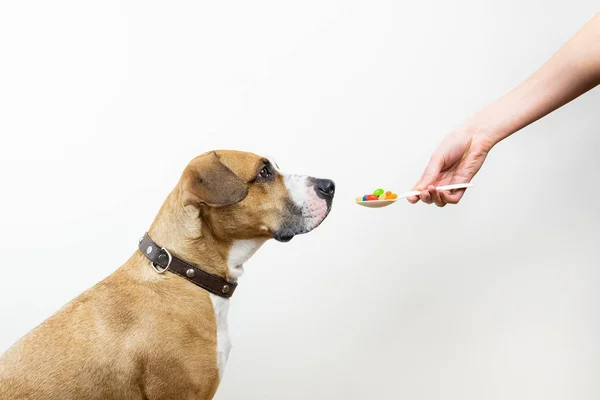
221, 308
239, 253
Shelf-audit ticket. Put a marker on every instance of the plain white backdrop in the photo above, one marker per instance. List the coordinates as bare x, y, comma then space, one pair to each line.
103, 103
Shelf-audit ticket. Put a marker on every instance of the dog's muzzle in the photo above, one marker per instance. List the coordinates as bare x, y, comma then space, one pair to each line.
310, 203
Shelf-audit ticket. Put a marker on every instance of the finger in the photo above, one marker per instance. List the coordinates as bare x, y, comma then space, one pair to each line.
431, 173
426, 197
435, 195
413, 199
452, 197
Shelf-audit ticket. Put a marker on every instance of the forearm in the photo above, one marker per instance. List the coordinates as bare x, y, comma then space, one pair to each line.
572, 71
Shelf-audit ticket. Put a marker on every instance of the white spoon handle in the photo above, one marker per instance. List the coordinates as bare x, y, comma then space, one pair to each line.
447, 187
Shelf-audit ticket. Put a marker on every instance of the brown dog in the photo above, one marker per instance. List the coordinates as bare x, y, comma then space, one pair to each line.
145, 334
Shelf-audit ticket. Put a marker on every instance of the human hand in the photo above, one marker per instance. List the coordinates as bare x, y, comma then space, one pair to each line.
456, 160
572, 71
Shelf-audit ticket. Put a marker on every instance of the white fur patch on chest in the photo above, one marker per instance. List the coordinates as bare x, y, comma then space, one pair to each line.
240, 252
221, 308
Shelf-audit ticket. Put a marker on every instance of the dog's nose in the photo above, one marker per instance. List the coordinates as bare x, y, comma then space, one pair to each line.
325, 188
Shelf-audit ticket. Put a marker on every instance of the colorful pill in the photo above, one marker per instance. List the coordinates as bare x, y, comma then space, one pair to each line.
378, 194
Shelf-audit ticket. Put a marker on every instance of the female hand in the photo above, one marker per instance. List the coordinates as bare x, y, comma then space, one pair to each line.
572, 71
456, 160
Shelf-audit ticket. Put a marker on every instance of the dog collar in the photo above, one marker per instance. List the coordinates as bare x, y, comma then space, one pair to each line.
162, 261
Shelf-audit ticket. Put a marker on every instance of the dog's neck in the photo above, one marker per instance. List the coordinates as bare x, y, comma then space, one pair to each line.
180, 230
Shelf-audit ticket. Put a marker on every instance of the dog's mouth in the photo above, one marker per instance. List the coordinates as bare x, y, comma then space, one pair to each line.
283, 237
287, 232
300, 220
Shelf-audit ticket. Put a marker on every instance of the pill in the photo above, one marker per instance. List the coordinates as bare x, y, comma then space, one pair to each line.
378, 194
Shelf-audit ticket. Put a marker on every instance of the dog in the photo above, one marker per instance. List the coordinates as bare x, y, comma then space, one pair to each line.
156, 328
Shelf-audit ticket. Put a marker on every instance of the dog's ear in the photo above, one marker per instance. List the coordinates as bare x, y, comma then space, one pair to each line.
207, 181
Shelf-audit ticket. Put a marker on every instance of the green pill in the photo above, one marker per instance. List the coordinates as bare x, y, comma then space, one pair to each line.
378, 192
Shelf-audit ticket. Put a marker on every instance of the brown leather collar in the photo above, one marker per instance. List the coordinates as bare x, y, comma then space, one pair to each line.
162, 260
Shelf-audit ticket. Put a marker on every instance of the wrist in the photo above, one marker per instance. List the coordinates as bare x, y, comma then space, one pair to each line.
480, 131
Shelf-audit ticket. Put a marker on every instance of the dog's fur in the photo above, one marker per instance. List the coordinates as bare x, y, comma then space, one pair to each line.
141, 335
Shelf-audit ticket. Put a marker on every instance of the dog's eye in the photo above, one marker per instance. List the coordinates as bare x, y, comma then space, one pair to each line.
264, 173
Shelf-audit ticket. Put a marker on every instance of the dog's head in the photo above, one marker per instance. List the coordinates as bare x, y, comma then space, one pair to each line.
243, 196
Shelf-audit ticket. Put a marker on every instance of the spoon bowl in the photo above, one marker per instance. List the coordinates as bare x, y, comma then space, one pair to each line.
385, 203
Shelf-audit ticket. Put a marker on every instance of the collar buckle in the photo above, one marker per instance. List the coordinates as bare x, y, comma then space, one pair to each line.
162, 270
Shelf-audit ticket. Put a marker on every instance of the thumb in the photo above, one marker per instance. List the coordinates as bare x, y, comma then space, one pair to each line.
431, 173
429, 176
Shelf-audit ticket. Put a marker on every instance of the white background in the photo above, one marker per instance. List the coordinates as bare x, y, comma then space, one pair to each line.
103, 103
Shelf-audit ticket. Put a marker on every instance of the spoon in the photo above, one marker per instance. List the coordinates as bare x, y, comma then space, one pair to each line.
385, 203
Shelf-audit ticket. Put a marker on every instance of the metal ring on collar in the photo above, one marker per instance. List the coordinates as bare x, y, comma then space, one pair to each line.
162, 270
